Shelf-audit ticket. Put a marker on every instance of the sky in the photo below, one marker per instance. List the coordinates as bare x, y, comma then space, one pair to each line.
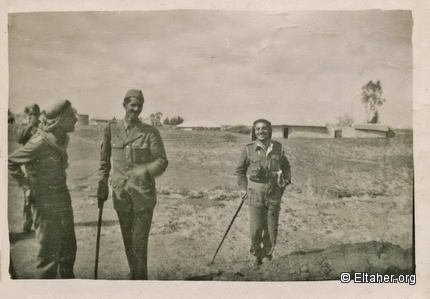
228, 67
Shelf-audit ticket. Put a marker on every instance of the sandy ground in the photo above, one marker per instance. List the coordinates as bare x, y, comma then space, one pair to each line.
349, 209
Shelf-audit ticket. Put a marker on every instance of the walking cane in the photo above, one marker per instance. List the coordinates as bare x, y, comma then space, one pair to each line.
99, 227
225, 235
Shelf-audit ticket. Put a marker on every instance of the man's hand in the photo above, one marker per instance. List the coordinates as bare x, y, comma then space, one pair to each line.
102, 193
287, 183
140, 172
27, 196
243, 194
33, 121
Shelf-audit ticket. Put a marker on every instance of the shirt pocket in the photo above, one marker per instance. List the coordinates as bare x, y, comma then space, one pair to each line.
117, 149
254, 164
274, 163
141, 154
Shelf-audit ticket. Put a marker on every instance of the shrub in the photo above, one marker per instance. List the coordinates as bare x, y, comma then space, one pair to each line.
241, 129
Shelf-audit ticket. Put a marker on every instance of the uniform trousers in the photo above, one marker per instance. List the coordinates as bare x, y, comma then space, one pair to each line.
264, 206
55, 233
28, 217
135, 227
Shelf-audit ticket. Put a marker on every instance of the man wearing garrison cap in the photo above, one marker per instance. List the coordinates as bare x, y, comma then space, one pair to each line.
45, 160
136, 153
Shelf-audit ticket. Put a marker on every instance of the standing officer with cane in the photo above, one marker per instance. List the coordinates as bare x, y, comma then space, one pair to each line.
137, 153
268, 170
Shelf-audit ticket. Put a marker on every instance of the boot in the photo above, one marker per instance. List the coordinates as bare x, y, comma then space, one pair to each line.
255, 261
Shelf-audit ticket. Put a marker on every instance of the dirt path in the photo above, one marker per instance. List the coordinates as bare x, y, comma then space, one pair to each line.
321, 233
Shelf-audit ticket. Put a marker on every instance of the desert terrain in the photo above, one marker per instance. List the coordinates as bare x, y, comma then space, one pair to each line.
349, 209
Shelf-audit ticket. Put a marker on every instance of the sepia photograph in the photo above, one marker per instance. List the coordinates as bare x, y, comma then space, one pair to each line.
202, 145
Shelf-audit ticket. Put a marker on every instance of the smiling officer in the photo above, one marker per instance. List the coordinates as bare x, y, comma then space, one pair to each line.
136, 152
263, 172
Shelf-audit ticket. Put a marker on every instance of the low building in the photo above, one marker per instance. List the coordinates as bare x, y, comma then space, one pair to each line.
300, 128
146, 120
83, 119
367, 131
101, 122
198, 125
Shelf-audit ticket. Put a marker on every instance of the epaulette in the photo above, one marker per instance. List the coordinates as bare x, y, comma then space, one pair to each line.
279, 144
111, 122
246, 146
109, 125
142, 124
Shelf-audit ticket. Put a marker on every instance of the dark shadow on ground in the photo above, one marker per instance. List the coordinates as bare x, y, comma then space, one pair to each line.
12, 271
324, 264
205, 277
95, 223
215, 263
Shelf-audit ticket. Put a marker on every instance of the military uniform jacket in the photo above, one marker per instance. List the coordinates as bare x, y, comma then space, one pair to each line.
136, 160
254, 156
46, 162
25, 133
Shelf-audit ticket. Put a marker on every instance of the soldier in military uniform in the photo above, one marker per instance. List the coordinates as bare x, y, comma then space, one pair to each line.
27, 131
263, 172
136, 153
45, 159
22, 137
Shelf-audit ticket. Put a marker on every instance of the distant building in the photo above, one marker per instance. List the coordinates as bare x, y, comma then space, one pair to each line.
83, 119
290, 127
198, 125
154, 121
367, 131
100, 122
146, 120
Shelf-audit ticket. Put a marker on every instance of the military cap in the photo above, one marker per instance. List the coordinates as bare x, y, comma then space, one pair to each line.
261, 120
58, 108
134, 93
33, 107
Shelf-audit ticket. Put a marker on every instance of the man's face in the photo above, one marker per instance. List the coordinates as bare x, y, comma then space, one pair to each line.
262, 132
133, 108
33, 116
69, 122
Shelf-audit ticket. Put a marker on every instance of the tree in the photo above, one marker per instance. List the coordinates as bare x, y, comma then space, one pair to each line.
166, 121
371, 97
375, 118
345, 121
176, 120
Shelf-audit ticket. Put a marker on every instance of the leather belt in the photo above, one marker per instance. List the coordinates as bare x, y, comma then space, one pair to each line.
259, 181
